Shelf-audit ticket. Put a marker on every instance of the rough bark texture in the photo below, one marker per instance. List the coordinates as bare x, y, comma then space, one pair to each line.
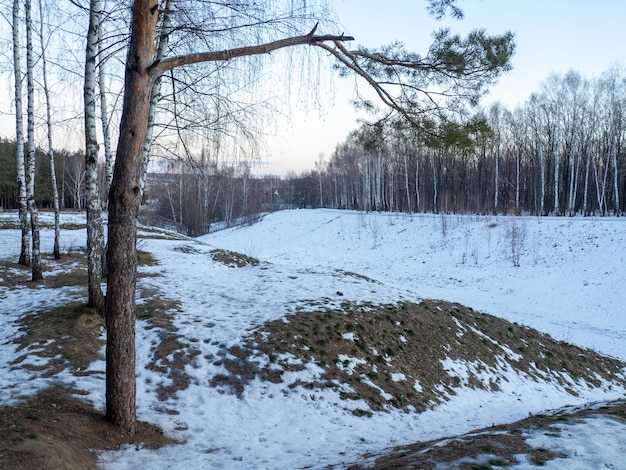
104, 116
156, 91
124, 200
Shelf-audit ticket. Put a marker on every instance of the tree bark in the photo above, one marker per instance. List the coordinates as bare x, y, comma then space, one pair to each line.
156, 92
95, 231
19, 141
56, 251
124, 199
36, 269
104, 117
556, 175
125, 196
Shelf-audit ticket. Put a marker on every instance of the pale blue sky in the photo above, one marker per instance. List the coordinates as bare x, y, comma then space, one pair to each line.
551, 36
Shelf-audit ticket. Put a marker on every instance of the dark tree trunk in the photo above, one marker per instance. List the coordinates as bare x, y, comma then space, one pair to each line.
124, 199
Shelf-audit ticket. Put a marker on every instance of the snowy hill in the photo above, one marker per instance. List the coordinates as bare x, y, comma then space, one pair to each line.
206, 315
566, 283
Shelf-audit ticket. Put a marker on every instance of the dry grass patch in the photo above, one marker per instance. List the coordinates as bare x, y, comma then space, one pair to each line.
488, 448
410, 356
66, 336
232, 259
14, 224
70, 270
57, 430
173, 352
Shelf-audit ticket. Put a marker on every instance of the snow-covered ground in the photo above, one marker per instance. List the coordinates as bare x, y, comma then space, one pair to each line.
562, 276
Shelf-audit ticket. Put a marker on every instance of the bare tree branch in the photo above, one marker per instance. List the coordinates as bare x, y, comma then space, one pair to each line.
158, 68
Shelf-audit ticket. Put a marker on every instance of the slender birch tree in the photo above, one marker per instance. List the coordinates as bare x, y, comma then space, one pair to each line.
25, 254
104, 114
36, 269
56, 251
95, 229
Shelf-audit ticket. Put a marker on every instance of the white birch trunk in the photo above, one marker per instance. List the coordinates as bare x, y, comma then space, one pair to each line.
367, 187
37, 273
95, 230
496, 182
585, 197
600, 187
22, 195
435, 191
417, 183
615, 180
517, 177
556, 177
379, 182
577, 164
542, 169
56, 251
406, 182
104, 117
572, 178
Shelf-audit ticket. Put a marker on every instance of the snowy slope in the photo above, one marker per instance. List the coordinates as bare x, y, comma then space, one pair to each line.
567, 284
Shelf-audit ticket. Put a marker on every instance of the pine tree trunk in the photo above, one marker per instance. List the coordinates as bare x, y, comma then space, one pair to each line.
22, 195
124, 200
95, 231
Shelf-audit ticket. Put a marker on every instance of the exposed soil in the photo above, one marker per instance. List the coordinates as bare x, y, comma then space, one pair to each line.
56, 430
493, 447
409, 356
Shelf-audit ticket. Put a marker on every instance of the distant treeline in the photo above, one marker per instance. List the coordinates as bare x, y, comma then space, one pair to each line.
70, 171
562, 152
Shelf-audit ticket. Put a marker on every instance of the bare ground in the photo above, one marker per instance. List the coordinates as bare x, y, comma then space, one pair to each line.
493, 447
56, 430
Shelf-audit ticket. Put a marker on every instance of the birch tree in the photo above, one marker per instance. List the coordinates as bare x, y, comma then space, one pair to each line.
495, 115
56, 251
25, 254
104, 113
36, 269
95, 229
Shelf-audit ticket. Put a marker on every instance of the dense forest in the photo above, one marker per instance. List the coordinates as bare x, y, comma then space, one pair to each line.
70, 170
